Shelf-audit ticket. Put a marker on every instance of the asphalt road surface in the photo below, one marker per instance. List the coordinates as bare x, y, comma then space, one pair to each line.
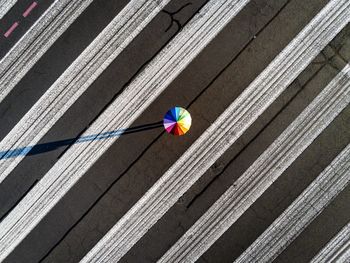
88, 173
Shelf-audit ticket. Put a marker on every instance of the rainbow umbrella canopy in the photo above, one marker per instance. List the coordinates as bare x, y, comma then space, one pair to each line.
177, 121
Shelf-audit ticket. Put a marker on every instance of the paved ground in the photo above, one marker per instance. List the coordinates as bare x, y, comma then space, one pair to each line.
136, 161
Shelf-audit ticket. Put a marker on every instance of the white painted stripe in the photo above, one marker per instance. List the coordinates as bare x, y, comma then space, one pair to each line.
121, 114
263, 172
36, 41
223, 133
337, 250
5, 6
75, 80
301, 212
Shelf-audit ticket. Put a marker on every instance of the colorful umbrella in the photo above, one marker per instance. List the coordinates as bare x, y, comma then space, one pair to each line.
177, 121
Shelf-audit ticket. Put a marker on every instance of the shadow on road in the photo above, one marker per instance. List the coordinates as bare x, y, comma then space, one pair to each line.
51, 146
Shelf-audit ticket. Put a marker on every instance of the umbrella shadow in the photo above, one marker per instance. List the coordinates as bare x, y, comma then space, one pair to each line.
51, 146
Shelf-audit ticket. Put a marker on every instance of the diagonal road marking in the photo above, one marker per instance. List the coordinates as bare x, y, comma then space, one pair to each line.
123, 111
76, 79
222, 134
301, 212
337, 250
263, 172
36, 41
5, 6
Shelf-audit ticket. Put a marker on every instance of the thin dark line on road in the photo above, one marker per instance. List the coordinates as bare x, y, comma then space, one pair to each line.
146, 149
160, 135
100, 197
337, 52
68, 146
252, 140
326, 62
142, 67
130, 130
140, 155
136, 73
129, 81
54, 145
51, 146
174, 20
19, 200
64, 92
238, 54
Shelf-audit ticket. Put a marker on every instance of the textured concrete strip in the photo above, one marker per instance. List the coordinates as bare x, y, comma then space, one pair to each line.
5, 6
337, 250
223, 133
301, 212
36, 41
76, 79
263, 172
124, 110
